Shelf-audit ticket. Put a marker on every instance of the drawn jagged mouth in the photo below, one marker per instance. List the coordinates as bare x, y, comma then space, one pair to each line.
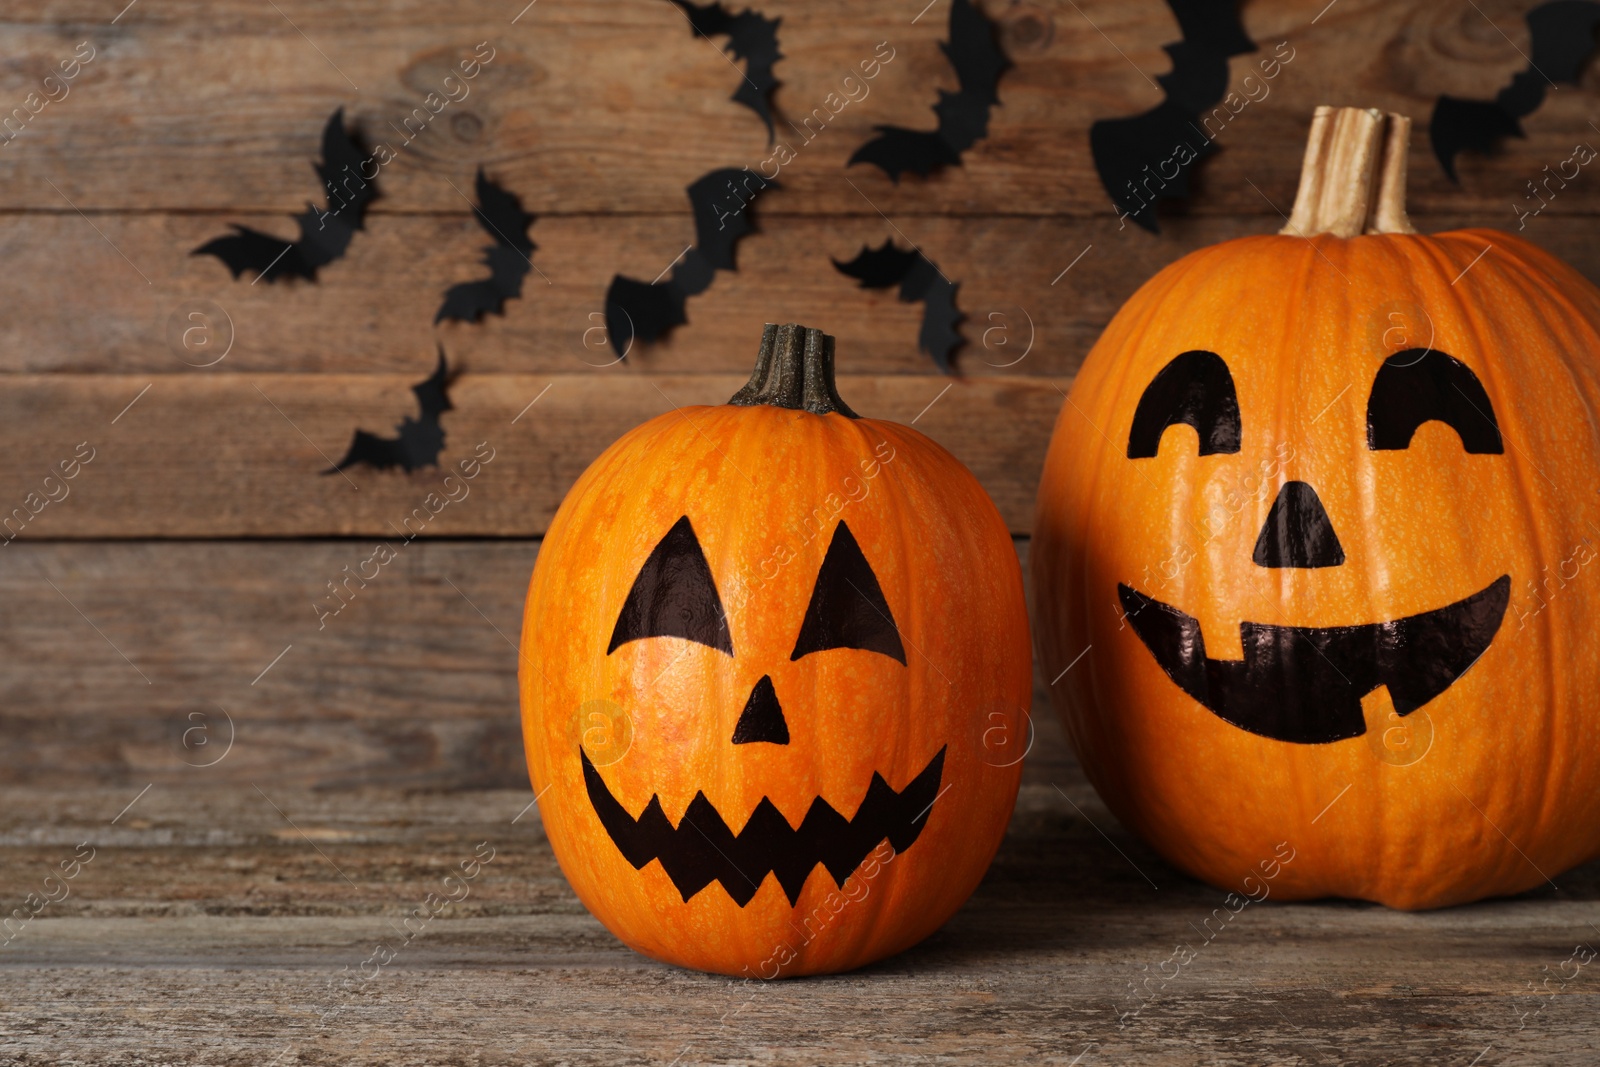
702, 849
1304, 684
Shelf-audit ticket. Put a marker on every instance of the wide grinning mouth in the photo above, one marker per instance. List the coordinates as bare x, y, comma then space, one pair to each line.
702, 848
1304, 684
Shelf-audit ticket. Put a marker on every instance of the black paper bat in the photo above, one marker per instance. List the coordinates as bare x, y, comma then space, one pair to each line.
420, 440
1561, 35
647, 310
919, 279
501, 216
1130, 152
963, 116
752, 38
324, 235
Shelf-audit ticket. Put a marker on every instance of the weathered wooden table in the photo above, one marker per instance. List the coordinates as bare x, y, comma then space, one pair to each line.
243, 925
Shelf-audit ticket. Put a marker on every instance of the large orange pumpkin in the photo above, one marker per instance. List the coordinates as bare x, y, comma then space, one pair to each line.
1321, 508
775, 679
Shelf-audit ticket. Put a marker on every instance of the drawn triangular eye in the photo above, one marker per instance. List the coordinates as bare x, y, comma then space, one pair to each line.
848, 609
674, 596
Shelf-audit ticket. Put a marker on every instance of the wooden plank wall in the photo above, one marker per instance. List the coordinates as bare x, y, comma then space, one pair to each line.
192, 546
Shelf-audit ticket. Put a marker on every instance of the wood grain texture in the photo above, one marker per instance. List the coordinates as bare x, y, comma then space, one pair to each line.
311, 780
242, 456
1027, 313
374, 309
213, 926
616, 107
200, 663
192, 664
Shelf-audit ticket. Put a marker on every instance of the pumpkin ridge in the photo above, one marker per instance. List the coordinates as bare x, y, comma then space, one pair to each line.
1542, 544
1536, 261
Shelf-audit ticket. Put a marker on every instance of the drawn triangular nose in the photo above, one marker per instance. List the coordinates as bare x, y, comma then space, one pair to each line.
1298, 532
762, 718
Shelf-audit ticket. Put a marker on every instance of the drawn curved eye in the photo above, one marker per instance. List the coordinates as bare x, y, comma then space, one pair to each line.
674, 596
847, 608
1195, 388
1424, 385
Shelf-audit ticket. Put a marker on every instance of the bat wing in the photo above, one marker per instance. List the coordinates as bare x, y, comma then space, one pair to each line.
420, 440
896, 150
693, 274
368, 448
646, 311
419, 443
1562, 37
1127, 151
974, 53
268, 257
348, 189
1122, 148
324, 235
754, 93
720, 201
433, 398
918, 279
978, 62
1212, 25
470, 301
500, 214
507, 268
754, 39
636, 309
1561, 34
878, 268
963, 121
709, 20
1198, 78
1459, 125
938, 336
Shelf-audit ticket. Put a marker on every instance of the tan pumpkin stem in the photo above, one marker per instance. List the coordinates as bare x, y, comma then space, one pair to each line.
1353, 178
794, 369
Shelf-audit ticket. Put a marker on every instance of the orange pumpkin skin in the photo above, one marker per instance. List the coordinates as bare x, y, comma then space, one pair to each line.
766, 489
1485, 789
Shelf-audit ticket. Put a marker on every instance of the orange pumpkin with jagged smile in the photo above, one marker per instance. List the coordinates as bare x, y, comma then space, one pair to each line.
775, 677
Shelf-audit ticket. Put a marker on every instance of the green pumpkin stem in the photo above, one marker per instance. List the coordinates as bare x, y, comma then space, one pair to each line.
794, 369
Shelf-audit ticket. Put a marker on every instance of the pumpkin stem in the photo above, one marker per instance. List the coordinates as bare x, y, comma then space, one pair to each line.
1353, 178
794, 369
